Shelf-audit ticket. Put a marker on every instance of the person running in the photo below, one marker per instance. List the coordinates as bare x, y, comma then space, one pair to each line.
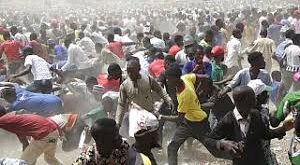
244, 128
139, 88
256, 71
11, 49
193, 119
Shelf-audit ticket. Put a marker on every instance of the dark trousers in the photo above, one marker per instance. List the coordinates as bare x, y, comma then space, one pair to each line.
185, 130
40, 86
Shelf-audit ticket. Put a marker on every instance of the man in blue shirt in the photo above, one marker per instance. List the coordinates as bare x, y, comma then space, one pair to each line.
283, 45
41, 104
199, 65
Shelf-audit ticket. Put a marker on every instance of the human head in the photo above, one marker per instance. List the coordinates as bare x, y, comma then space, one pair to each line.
169, 60
173, 74
157, 34
14, 30
110, 37
27, 51
108, 104
289, 34
265, 24
188, 41
199, 54
261, 91
243, 105
296, 39
220, 23
114, 71
166, 36
6, 35
178, 39
69, 39
218, 53
240, 26
193, 30
90, 83
263, 33
105, 132
190, 51
133, 69
276, 76
237, 33
297, 14
118, 31
9, 94
256, 59
209, 35
33, 36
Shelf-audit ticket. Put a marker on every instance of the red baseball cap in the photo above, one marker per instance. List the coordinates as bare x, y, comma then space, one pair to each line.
217, 51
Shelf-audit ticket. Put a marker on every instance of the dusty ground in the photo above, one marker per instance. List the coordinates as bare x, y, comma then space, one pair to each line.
10, 147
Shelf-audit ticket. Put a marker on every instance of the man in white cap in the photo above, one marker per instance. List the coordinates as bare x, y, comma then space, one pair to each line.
261, 91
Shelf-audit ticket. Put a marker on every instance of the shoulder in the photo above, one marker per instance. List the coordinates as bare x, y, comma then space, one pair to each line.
265, 72
242, 71
189, 77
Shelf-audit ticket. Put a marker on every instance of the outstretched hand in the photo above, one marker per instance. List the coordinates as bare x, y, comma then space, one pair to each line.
234, 148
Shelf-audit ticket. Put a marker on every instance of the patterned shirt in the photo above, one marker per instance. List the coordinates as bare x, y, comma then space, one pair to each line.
92, 157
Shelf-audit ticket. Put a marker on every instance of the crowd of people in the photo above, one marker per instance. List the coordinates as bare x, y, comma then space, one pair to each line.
107, 82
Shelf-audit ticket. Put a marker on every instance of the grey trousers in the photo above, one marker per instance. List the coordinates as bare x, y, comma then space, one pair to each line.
185, 130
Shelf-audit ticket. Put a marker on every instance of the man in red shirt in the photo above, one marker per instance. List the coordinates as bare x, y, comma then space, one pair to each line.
157, 67
38, 47
116, 47
178, 39
44, 131
11, 49
112, 81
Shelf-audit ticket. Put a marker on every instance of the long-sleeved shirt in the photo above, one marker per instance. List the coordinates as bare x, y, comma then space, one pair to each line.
77, 58
189, 66
243, 77
142, 95
266, 46
234, 47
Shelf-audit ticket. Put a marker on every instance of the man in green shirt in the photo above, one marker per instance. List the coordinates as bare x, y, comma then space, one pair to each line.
217, 67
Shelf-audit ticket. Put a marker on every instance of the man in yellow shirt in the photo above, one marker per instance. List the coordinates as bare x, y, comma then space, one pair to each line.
193, 120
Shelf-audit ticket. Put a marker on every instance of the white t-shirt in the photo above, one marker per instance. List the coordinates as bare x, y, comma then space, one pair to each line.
39, 67
234, 47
